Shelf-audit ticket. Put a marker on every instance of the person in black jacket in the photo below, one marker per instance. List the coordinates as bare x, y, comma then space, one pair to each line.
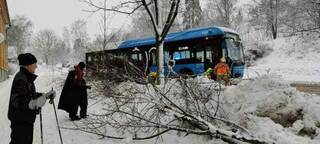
74, 93
25, 102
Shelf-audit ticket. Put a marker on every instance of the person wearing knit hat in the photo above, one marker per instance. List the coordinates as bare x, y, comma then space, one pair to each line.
25, 103
28, 61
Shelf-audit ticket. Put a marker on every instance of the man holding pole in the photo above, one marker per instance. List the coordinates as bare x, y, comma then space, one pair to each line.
25, 103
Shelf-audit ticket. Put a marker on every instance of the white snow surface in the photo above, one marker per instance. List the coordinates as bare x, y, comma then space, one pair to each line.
293, 59
266, 87
270, 92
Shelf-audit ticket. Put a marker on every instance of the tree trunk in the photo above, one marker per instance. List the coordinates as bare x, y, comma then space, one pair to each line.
159, 61
318, 15
276, 21
104, 26
273, 18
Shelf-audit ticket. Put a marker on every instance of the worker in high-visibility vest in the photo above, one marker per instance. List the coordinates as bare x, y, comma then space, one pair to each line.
222, 71
152, 77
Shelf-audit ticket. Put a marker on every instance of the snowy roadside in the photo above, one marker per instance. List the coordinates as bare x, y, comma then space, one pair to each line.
45, 81
271, 109
4, 103
293, 59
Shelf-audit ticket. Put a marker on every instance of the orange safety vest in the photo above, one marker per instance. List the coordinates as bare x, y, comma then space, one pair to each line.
221, 69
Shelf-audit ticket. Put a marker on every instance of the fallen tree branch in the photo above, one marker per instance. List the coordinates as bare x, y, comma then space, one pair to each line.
212, 130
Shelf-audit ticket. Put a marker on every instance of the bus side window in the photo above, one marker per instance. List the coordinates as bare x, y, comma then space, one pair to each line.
166, 57
209, 52
199, 55
177, 55
153, 58
185, 54
89, 58
134, 57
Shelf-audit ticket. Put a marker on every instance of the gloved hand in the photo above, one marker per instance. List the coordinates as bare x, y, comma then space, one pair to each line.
51, 94
37, 103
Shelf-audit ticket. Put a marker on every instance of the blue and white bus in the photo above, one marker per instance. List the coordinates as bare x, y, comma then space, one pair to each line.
193, 51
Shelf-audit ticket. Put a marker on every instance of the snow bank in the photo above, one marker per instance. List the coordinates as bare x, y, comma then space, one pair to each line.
293, 58
270, 93
5, 87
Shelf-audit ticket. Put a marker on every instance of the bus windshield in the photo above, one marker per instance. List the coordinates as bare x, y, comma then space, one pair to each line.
235, 51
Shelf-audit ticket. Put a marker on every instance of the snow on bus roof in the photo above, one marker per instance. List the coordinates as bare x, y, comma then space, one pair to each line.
228, 30
178, 36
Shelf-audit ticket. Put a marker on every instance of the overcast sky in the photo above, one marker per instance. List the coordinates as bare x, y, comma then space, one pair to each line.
55, 14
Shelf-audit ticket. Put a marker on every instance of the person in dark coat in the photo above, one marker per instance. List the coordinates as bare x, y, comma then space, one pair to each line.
74, 93
25, 103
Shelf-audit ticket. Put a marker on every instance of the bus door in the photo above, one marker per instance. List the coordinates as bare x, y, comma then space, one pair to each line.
208, 57
211, 54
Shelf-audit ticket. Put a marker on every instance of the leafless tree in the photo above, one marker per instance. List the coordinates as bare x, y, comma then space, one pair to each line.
303, 16
111, 41
153, 8
225, 9
104, 44
192, 14
141, 25
66, 37
45, 43
79, 38
19, 33
268, 15
222, 13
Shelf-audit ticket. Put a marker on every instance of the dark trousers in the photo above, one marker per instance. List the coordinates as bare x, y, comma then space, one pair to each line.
21, 133
83, 109
73, 111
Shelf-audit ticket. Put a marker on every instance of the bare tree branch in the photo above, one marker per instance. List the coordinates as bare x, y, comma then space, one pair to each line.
115, 8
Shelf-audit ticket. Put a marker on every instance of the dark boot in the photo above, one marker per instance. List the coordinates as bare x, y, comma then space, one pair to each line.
74, 118
73, 113
83, 110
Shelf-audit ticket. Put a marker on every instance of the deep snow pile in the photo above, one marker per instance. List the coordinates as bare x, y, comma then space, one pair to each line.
293, 58
267, 106
268, 95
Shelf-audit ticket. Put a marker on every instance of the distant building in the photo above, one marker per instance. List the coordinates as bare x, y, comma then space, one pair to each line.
4, 25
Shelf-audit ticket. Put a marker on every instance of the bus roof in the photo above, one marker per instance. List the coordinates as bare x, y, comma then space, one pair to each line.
177, 36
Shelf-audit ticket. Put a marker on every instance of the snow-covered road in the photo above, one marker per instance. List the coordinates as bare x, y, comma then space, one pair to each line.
4, 102
45, 81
